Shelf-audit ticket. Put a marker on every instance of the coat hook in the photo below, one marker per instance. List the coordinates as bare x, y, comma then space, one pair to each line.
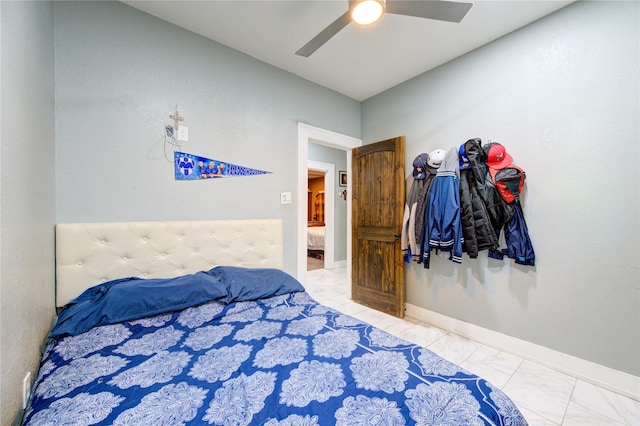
344, 194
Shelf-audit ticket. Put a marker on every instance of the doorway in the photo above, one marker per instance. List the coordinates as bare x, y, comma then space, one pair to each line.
310, 134
321, 212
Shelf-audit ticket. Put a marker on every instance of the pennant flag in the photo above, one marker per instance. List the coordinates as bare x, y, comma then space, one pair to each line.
193, 167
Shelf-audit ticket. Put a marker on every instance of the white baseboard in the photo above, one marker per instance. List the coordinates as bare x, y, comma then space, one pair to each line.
608, 378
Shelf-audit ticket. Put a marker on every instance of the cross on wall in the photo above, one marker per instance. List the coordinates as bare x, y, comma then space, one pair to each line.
176, 119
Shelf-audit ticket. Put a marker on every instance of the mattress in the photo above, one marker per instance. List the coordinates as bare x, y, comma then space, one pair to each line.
255, 349
315, 237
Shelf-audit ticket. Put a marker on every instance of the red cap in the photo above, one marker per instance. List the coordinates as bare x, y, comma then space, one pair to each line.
497, 156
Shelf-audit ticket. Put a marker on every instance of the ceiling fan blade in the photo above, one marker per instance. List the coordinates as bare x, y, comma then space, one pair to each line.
324, 35
451, 11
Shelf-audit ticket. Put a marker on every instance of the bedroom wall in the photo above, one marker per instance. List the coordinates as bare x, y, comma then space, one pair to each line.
119, 75
562, 94
27, 191
337, 157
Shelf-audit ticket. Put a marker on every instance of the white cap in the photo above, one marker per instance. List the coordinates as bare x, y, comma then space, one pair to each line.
436, 158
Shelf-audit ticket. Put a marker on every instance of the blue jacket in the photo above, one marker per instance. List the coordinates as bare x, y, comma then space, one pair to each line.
516, 235
442, 224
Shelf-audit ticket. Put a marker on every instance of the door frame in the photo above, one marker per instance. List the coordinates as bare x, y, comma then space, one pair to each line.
329, 209
307, 134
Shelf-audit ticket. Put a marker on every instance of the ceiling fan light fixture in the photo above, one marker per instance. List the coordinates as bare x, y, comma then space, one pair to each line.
441, 10
366, 12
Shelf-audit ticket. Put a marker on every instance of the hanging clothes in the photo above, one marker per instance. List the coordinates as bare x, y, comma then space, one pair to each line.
508, 180
414, 183
477, 230
443, 227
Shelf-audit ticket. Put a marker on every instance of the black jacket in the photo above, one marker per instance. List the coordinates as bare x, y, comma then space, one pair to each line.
477, 229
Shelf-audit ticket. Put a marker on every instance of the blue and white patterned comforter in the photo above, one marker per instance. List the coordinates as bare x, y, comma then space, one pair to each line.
283, 360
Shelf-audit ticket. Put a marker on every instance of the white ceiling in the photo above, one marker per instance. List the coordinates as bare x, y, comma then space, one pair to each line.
358, 62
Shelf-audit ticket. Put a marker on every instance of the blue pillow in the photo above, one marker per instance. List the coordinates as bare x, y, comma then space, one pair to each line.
244, 284
133, 298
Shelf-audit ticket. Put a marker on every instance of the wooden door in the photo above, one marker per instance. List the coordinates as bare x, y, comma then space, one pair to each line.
378, 188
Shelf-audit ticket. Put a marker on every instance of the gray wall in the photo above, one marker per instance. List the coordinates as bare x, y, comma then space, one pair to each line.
337, 157
121, 72
27, 212
562, 95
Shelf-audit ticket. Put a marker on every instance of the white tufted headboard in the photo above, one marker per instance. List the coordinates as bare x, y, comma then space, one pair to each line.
91, 253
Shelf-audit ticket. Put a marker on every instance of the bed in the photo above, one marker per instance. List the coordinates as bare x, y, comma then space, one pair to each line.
251, 347
315, 235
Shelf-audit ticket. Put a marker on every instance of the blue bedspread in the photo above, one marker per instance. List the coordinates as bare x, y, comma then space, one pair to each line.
282, 360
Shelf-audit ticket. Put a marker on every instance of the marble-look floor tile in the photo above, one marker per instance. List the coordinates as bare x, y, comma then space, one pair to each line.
491, 364
541, 390
581, 416
338, 302
590, 400
454, 348
350, 308
422, 334
390, 322
490, 374
367, 315
373, 315
502, 361
534, 419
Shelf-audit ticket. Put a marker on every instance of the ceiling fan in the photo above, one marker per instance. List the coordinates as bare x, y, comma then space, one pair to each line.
366, 12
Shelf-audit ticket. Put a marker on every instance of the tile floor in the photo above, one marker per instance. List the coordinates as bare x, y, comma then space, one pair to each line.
545, 397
